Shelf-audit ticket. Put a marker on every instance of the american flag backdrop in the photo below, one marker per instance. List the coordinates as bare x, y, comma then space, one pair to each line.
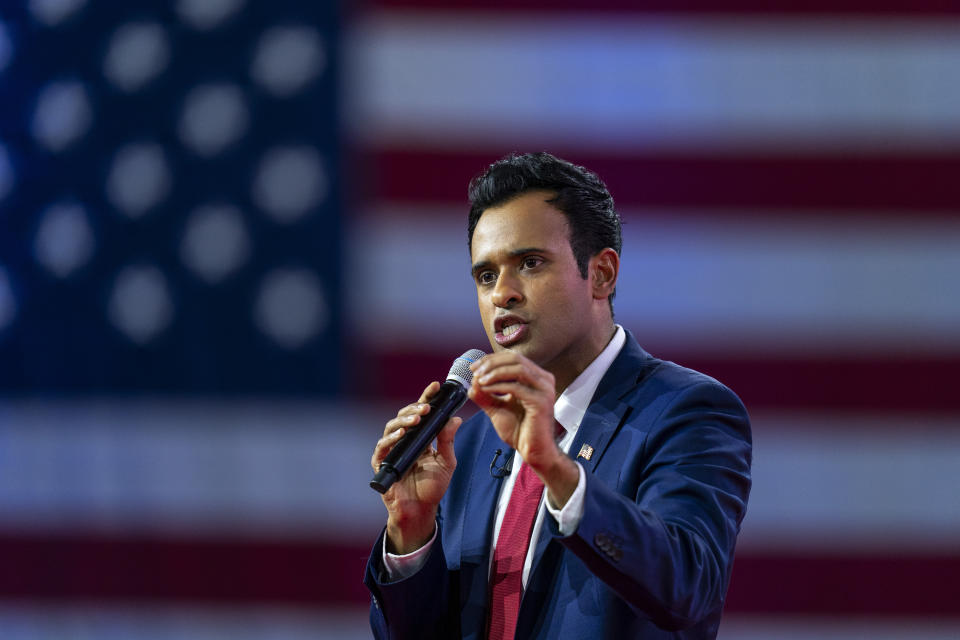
233, 243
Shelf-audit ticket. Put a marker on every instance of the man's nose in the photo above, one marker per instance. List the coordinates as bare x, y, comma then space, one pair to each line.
506, 293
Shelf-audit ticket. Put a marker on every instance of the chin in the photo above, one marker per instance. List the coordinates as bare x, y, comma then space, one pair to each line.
523, 348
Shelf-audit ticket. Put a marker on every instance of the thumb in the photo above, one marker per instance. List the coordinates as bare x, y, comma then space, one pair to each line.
445, 441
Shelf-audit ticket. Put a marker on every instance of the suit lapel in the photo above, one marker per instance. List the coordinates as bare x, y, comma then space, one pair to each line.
600, 423
606, 413
481, 499
596, 429
483, 492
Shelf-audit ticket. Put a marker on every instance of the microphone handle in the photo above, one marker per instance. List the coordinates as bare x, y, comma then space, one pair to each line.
404, 454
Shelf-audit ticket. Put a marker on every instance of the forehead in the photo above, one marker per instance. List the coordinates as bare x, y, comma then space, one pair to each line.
526, 221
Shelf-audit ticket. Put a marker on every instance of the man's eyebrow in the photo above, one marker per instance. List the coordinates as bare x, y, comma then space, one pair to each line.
525, 250
478, 267
516, 253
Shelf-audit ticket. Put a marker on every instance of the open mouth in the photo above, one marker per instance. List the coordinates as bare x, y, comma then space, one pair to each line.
510, 330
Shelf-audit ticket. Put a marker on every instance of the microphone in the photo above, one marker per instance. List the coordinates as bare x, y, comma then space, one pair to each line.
500, 472
446, 402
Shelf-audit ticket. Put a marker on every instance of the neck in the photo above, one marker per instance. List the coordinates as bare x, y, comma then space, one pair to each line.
566, 372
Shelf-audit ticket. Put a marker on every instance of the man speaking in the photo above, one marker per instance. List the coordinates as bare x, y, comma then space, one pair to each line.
599, 492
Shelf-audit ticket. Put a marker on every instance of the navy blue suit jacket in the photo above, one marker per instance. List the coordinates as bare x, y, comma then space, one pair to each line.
666, 490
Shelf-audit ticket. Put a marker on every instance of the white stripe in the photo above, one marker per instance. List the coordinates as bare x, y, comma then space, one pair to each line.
735, 627
444, 79
274, 468
779, 283
845, 483
37, 622
21, 621
830, 481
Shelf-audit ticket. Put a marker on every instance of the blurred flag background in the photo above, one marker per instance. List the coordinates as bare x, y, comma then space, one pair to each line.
232, 244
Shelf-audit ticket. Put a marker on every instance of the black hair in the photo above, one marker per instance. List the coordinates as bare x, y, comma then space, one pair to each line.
579, 194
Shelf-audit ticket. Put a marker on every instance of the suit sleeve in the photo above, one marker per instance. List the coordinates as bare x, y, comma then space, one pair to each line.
663, 539
421, 606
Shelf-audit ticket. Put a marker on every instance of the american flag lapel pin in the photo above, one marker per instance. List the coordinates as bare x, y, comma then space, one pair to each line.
586, 451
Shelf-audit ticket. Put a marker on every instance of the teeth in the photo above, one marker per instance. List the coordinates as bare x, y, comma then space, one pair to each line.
510, 330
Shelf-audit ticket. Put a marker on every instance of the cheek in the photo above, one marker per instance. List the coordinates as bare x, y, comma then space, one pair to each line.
486, 312
556, 294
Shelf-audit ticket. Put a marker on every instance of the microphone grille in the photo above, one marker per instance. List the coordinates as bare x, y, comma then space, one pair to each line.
460, 371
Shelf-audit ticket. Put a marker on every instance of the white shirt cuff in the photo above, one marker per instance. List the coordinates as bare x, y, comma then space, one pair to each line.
569, 517
399, 567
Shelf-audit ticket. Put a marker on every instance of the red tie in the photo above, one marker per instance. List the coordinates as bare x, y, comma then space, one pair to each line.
513, 542
506, 576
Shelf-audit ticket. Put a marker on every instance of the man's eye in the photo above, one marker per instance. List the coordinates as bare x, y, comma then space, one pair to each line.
530, 263
486, 277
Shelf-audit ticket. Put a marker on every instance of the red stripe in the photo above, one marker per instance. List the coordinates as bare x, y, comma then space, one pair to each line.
74, 568
707, 7
208, 570
838, 182
826, 585
865, 384
868, 384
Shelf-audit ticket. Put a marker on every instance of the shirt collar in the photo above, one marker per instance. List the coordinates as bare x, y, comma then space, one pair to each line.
573, 402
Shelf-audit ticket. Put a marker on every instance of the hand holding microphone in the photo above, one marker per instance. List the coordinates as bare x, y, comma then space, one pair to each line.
443, 404
411, 475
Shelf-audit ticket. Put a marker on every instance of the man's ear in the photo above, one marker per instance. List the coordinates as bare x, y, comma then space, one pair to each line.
604, 269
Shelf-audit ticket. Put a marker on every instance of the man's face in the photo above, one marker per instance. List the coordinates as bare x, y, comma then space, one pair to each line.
532, 297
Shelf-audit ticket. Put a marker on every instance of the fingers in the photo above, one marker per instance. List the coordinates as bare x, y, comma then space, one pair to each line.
445, 441
407, 418
507, 363
516, 372
486, 400
512, 374
429, 392
411, 414
383, 447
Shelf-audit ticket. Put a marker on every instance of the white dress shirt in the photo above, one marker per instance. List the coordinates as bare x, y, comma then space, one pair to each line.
568, 410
